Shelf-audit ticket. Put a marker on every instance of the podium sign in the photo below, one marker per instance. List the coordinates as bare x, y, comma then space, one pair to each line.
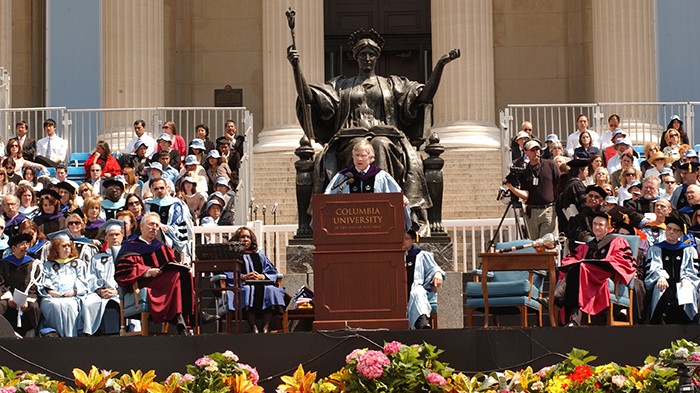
359, 266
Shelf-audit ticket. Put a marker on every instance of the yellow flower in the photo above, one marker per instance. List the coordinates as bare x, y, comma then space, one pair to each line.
557, 384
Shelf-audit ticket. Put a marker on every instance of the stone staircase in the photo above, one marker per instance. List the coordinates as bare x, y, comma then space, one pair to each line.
472, 178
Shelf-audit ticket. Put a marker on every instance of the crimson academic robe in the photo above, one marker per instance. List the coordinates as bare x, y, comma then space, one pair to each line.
594, 294
170, 293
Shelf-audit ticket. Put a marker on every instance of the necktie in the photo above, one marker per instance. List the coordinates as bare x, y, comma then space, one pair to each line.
48, 149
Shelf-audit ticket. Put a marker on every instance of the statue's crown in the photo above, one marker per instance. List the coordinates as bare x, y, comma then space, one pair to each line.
366, 33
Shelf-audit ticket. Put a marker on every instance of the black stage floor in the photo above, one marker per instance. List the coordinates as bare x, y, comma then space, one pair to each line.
468, 350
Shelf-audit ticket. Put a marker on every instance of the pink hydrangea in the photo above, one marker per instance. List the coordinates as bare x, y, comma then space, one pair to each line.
543, 371
695, 357
252, 373
436, 379
354, 355
8, 389
32, 389
371, 364
187, 378
230, 356
618, 380
392, 347
203, 361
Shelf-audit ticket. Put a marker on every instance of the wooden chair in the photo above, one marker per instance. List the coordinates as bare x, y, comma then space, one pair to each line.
133, 303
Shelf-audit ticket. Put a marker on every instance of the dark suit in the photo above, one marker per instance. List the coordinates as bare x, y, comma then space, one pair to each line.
28, 148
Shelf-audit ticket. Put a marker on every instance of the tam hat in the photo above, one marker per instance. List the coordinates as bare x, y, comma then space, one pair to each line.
21, 238
62, 234
64, 185
635, 184
689, 166
50, 192
597, 189
113, 224
674, 219
116, 180
577, 163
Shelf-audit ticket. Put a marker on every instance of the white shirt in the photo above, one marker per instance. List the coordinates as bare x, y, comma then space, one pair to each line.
572, 141
605, 140
615, 164
59, 148
145, 138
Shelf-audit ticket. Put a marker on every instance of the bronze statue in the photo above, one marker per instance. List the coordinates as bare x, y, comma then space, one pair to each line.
392, 112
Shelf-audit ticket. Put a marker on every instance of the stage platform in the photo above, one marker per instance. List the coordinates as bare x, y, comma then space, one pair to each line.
469, 350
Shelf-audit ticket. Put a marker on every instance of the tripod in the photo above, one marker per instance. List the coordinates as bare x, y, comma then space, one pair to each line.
520, 224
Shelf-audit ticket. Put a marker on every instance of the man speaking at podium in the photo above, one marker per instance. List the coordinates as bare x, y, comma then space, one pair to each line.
364, 177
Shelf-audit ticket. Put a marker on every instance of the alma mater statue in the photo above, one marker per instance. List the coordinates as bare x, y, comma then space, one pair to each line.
393, 113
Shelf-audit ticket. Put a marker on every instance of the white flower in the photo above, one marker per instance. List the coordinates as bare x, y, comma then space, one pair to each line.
230, 355
539, 385
682, 353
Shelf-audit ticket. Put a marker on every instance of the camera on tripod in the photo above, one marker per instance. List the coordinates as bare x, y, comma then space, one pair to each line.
513, 177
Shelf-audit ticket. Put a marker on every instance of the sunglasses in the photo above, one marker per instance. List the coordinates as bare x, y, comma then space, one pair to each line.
75, 223
669, 182
134, 203
630, 174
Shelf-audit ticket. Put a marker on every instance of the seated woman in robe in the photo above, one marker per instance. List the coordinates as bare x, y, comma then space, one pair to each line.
262, 298
64, 283
670, 264
38, 239
50, 218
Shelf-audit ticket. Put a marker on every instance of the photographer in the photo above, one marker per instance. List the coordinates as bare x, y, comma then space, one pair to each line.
536, 184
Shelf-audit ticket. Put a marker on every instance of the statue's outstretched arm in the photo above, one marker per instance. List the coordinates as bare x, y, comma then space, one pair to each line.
302, 87
426, 96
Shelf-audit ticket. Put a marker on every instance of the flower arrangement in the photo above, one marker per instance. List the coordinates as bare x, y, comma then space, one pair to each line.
395, 368
403, 368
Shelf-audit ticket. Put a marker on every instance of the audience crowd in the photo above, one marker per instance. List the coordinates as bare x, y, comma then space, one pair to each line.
74, 228
654, 198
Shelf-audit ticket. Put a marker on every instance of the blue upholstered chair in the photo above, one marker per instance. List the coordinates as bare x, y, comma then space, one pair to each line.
622, 294
134, 304
78, 159
508, 292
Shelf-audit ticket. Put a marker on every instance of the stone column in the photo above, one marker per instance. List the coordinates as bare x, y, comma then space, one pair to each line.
624, 64
132, 53
464, 114
281, 130
624, 68
5, 42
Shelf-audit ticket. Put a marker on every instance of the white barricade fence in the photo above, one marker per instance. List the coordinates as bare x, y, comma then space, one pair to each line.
34, 117
469, 238
643, 121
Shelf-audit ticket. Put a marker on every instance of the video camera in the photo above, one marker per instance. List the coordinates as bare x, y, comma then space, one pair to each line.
513, 177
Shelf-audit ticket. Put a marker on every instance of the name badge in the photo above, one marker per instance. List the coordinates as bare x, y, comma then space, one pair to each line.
535, 181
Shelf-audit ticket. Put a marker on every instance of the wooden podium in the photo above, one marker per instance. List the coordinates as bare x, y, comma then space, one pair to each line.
359, 266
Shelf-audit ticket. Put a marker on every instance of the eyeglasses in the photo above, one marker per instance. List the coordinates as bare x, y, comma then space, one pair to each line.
134, 203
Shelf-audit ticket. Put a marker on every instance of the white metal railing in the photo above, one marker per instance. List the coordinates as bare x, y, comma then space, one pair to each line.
644, 121
469, 239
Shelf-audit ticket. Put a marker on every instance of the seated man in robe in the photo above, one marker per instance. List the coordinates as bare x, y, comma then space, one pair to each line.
423, 276
588, 268
176, 222
19, 272
143, 261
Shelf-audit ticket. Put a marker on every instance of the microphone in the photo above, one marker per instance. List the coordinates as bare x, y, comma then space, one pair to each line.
349, 179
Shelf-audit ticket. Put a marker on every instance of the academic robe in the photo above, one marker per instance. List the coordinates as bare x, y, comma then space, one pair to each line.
271, 294
64, 314
594, 293
92, 229
101, 277
12, 225
170, 293
664, 253
50, 223
423, 270
175, 214
110, 208
16, 273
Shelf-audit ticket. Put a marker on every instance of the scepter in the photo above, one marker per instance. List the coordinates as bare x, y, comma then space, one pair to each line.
298, 80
